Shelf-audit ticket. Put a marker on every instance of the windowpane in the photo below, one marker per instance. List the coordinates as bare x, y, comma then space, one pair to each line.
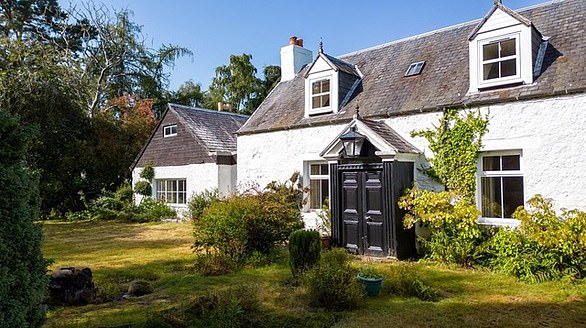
511, 163
325, 100
325, 86
491, 163
491, 197
324, 169
315, 89
490, 51
509, 67
491, 71
314, 169
512, 194
508, 48
325, 192
315, 102
314, 194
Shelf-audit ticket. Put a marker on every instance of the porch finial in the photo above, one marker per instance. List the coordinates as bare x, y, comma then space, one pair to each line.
498, 2
357, 113
321, 45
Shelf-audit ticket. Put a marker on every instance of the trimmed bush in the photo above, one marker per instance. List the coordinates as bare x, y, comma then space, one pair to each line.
304, 250
333, 284
143, 188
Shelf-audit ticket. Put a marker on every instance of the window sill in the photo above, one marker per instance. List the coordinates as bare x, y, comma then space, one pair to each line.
499, 222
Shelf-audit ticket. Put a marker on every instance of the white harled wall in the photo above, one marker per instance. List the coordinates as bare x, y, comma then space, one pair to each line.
199, 177
551, 134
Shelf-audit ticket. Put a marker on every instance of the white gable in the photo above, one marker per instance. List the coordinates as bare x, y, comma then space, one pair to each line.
498, 20
320, 66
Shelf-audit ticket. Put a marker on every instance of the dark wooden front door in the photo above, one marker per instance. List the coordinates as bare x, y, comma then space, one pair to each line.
363, 212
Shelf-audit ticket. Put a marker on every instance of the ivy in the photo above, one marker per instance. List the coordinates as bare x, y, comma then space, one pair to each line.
455, 143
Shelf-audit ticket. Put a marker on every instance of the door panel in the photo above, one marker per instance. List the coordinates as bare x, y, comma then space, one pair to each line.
373, 213
362, 212
350, 211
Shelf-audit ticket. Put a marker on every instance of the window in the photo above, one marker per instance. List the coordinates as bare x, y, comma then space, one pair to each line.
173, 191
501, 185
320, 94
319, 185
500, 59
415, 68
170, 130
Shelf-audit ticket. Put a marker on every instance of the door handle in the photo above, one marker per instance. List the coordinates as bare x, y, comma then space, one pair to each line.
368, 218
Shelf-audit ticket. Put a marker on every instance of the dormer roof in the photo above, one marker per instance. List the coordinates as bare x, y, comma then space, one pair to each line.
498, 5
335, 63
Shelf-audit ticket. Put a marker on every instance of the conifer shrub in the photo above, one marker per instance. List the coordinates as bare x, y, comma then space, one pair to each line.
304, 250
23, 280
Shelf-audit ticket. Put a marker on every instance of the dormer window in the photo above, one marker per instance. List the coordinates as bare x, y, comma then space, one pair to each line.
170, 131
502, 50
499, 59
320, 94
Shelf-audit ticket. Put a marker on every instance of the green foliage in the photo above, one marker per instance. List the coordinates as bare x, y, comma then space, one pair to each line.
455, 235
455, 143
368, 271
324, 223
242, 224
152, 210
544, 247
403, 280
143, 188
333, 284
23, 283
304, 250
200, 201
147, 172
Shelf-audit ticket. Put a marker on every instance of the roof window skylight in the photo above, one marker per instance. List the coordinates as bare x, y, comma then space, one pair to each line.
415, 68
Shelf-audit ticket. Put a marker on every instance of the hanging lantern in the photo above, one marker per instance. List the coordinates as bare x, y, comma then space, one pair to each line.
352, 142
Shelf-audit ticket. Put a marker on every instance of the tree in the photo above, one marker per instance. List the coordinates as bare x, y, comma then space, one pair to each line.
23, 281
235, 84
189, 94
272, 76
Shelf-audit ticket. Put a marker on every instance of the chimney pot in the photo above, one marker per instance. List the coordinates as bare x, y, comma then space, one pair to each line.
293, 40
300, 42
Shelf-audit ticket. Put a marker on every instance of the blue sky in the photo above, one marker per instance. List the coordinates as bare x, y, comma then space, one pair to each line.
214, 30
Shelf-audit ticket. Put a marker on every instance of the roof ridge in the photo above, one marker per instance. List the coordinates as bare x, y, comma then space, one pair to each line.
443, 29
208, 110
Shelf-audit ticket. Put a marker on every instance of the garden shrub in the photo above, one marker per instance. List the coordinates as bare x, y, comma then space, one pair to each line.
242, 224
455, 237
143, 188
151, 210
544, 247
304, 250
403, 280
332, 284
200, 201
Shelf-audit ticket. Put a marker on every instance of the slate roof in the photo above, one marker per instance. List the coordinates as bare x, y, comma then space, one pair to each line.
391, 136
215, 130
444, 82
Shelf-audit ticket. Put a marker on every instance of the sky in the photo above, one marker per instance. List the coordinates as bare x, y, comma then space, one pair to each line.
215, 29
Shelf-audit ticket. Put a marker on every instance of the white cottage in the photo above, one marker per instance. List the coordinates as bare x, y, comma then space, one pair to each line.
191, 150
527, 69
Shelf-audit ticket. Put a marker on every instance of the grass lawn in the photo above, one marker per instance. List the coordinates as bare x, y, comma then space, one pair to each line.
160, 253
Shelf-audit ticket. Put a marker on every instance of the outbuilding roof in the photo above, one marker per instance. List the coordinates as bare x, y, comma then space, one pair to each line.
385, 91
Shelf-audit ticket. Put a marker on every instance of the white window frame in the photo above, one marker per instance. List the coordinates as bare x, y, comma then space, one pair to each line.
311, 177
509, 173
415, 68
314, 77
162, 192
170, 130
482, 83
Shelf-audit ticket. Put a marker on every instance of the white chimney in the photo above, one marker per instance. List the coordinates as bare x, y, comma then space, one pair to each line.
293, 58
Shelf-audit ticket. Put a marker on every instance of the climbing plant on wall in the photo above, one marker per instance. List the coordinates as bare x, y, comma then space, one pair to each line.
455, 143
